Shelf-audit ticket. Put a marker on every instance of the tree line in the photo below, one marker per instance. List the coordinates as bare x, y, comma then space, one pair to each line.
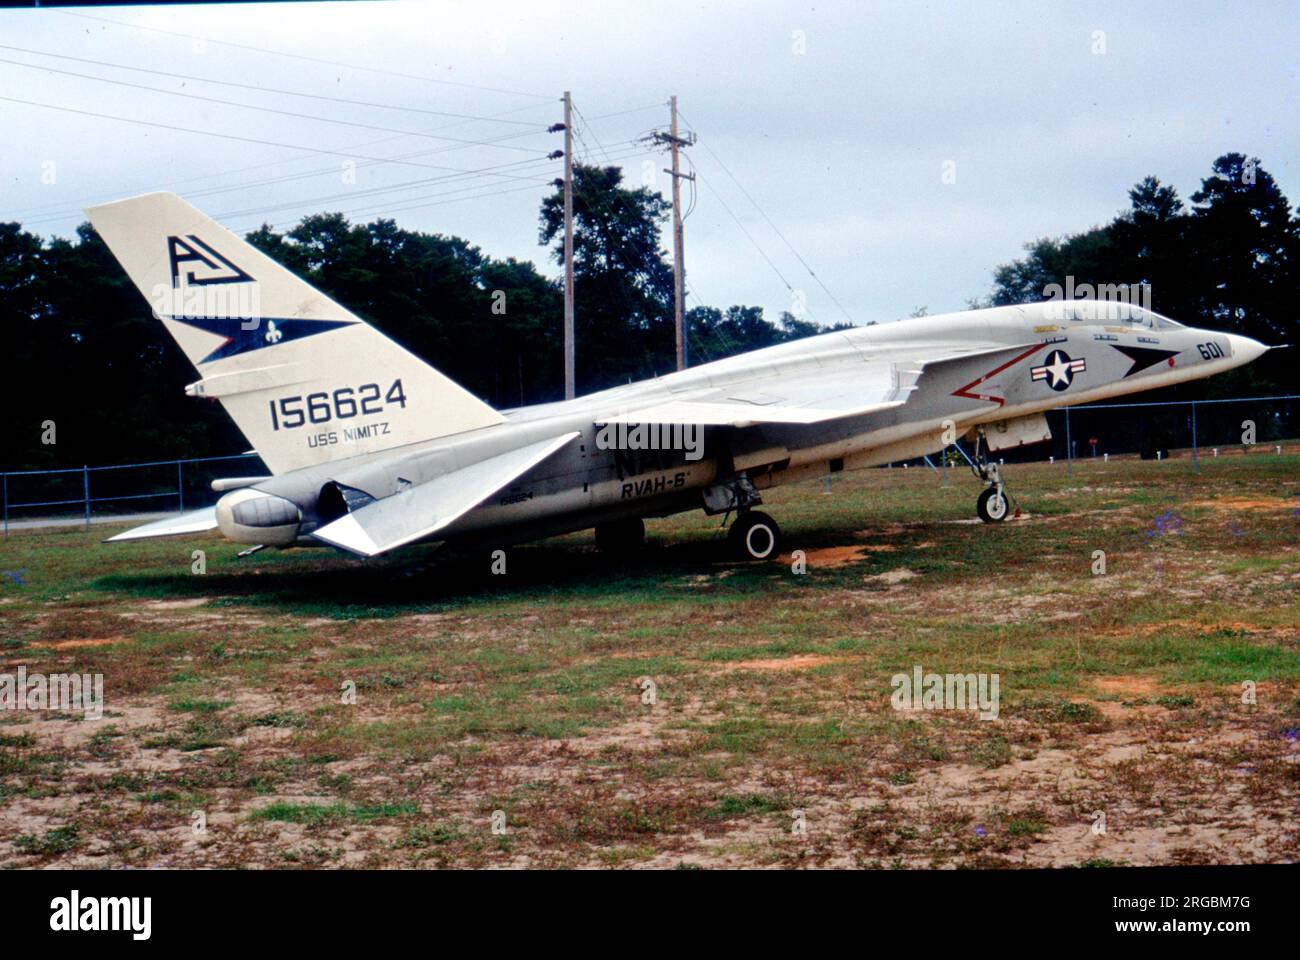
1228, 261
85, 353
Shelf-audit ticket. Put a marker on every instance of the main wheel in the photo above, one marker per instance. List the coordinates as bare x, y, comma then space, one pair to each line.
621, 536
992, 505
754, 536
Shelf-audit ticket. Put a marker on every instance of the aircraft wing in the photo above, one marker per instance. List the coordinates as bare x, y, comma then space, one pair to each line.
811, 398
738, 413
876, 385
425, 509
196, 521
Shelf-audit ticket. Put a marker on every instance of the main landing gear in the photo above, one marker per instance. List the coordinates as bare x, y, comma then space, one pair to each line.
992, 505
754, 536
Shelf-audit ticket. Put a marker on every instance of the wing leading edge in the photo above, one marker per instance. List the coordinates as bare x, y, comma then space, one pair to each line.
739, 414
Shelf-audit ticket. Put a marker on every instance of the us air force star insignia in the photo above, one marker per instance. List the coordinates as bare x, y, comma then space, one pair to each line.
1058, 370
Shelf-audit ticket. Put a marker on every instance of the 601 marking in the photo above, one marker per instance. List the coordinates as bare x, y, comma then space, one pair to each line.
343, 404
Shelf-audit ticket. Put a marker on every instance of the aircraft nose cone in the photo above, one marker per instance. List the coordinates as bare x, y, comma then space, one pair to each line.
1244, 349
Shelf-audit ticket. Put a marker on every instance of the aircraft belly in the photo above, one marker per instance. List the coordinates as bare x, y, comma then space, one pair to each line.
540, 500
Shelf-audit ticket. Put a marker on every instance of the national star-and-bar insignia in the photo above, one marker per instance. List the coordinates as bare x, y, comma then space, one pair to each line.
1058, 370
245, 334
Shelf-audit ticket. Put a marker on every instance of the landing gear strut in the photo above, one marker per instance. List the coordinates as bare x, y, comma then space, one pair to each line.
992, 505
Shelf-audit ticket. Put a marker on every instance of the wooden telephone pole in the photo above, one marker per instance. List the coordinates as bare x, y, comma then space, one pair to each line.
569, 366
675, 143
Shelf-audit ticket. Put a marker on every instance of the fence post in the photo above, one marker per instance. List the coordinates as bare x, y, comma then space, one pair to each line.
85, 488
1069, 446
1196, 464
6, 484
180, 485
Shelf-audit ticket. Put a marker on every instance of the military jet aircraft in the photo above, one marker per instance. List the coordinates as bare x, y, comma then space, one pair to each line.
370, 449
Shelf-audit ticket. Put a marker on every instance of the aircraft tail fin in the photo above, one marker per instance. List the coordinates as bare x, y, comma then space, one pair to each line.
306, 380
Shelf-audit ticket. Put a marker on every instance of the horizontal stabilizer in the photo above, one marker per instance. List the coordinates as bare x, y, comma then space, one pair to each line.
422, 511
222, 484
196, 521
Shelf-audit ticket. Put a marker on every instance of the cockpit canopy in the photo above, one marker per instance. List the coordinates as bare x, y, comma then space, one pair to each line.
1115, 312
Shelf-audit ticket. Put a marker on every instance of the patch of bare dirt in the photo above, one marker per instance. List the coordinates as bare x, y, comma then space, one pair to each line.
1244, 503
827, 558
802, 661
893, 577
1131, 687
186, 604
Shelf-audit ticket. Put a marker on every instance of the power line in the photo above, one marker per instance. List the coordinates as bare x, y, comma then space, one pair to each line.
369, 210
776, 229
748, 236
288, 205
332, 171
482, 171
230, 136
260, 109
377, 211
369, 192
299, 56
622, 113
274, 163
256, 87
587, 125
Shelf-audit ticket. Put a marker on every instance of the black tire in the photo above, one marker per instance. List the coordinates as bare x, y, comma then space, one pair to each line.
621, 537
754, 536
992, 506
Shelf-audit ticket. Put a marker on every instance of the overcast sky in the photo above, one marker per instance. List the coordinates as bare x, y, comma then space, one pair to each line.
839, 120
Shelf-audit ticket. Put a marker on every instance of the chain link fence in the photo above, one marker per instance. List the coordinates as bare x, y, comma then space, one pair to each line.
1190, 430
99, 493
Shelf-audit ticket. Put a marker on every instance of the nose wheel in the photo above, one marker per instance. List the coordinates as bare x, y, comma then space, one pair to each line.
992, 505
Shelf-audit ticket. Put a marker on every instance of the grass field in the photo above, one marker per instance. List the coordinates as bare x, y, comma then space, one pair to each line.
499, 720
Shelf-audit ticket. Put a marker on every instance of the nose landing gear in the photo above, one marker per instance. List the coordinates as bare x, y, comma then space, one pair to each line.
992, 505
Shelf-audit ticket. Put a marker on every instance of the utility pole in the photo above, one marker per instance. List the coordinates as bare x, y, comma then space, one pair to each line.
569, 366
675, 144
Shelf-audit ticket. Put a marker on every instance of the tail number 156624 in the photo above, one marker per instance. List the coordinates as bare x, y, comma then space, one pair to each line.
343, 404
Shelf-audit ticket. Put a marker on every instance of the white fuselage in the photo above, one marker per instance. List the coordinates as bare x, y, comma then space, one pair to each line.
1000, 365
